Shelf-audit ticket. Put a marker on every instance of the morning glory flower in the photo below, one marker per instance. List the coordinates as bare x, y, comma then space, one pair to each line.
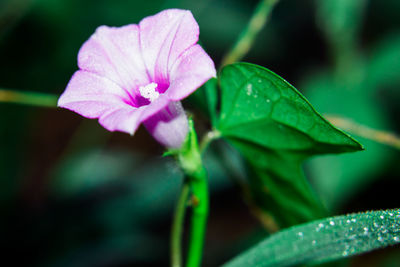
139, 73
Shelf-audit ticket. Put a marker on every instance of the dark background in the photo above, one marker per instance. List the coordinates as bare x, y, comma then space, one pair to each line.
73, 194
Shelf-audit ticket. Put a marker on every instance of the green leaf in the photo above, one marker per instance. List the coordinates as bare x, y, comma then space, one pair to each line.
88, 170
337, 178
276, 128
206, 97
341, 21
340, 18
384, 63
254, 99
278, 185
325, 240
211, 94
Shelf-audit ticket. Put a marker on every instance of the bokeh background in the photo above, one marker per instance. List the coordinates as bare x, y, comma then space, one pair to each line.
73, 194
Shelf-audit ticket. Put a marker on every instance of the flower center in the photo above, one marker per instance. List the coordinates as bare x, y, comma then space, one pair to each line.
149, 91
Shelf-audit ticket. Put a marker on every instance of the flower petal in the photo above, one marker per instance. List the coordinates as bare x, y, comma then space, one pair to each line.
123, 120
192, 69
115, 53
128, 119
91, 95
169, 126
164, 37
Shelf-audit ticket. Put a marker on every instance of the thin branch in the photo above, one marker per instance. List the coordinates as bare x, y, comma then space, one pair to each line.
355, 128
247, 37
28, 98
177, 227
208, 138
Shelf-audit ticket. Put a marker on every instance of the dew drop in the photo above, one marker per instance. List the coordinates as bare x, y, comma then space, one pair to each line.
332, 223
249, 89
382, 217
380, 239
300, 234
346, 250
321, 225
396, 238
365, 230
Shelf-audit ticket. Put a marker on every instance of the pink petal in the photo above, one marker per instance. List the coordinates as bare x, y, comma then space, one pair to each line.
123, 120
91, 95
164, 37
169, 126
128, 119
192, 69
115, 53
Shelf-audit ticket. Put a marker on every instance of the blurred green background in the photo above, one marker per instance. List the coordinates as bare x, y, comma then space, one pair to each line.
73, 194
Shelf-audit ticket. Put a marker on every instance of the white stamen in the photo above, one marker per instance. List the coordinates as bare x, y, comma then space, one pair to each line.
149, 91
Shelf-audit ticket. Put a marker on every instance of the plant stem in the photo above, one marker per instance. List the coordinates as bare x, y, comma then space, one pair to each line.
198, 184
189, 159
383, 137
247, 37
208, 138
28, 98
177, 227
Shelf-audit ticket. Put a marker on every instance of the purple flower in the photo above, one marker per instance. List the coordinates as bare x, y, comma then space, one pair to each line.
138, 73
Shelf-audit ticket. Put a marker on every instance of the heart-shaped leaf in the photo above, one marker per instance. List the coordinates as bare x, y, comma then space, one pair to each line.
276, 128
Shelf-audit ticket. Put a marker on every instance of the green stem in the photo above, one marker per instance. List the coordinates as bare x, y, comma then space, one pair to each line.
189, 159
177, 226
208, 138
198, 184
247, 37
28, 98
